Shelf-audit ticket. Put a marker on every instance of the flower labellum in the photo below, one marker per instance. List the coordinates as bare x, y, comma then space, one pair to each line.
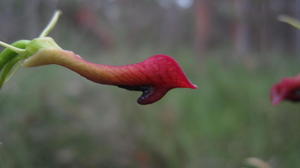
287, 89
154, 77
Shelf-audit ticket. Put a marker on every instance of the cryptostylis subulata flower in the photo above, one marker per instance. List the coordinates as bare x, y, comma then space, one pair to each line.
154, 77
287, 89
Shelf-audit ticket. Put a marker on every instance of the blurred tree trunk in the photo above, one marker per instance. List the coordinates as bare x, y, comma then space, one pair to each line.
32, 16
171, 27
263, 26
203, 22
88, 19
242, 40
7, 16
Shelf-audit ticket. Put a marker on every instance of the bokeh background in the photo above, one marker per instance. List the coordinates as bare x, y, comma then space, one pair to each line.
234, 50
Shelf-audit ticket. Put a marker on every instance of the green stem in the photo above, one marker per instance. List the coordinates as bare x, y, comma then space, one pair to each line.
15, 49
51, 24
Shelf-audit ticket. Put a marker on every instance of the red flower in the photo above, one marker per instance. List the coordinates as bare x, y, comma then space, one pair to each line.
154, 77
287, 89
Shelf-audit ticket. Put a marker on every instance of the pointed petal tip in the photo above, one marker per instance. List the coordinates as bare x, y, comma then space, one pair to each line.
193, 86
189, 85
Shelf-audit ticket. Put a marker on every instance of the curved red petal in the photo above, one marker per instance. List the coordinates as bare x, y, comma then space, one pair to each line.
164, 71
158, 74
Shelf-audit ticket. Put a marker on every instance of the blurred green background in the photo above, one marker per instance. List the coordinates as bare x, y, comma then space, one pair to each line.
233, 50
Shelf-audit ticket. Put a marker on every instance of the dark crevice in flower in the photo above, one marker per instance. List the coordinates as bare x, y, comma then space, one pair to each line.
149, 95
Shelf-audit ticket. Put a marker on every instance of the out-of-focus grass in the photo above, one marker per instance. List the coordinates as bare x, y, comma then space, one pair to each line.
50, 117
